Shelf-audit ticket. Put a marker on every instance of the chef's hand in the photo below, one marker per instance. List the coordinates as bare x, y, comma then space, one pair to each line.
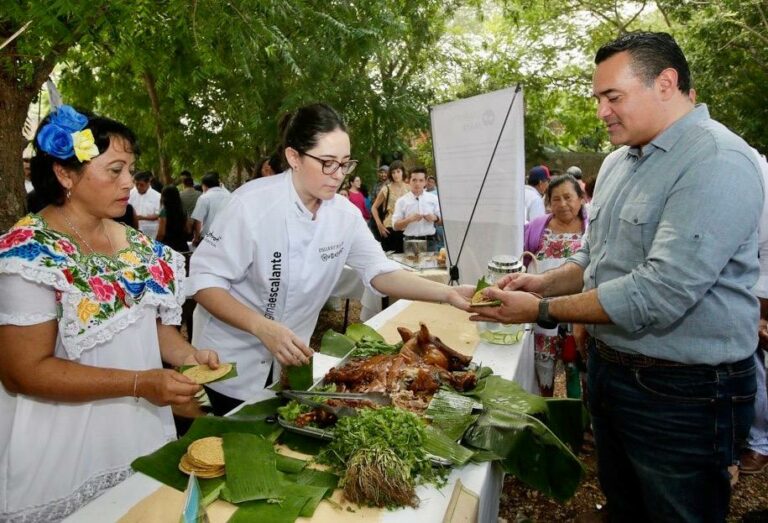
460, 296
516, 307
165, 387
203, 357
285, 345
430, 217
412, 218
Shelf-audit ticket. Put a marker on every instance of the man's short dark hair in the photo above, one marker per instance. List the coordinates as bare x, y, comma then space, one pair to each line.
419, 169
142, 176
211, 179
186, 179
651, 53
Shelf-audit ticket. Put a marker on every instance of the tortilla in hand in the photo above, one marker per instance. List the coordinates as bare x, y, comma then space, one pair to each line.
201, 374
479, 300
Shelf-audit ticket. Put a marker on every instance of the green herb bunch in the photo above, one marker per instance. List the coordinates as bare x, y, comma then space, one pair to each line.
381, 452
369, 346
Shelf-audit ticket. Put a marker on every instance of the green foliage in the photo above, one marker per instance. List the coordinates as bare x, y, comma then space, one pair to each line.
225, 73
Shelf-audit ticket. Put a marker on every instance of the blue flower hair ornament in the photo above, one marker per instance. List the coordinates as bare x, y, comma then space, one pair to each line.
65, 136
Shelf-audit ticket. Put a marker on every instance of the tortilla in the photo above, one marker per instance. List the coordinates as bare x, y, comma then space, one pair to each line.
207, 451
204, 374
206, 473
479, 300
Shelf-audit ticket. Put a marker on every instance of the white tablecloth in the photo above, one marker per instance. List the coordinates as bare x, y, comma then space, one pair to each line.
513, 362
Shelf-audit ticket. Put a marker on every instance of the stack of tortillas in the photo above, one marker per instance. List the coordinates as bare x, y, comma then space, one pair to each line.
204, 457
204, 374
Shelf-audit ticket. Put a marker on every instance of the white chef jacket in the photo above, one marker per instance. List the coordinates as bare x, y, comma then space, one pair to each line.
408, 204
268, 252
146, 204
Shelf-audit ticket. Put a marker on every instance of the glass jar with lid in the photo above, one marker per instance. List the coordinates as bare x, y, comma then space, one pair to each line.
499, 266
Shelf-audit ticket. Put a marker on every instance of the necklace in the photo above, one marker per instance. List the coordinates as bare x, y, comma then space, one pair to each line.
80, 236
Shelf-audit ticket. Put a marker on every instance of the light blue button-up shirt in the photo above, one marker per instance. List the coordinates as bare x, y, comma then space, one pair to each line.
672, 244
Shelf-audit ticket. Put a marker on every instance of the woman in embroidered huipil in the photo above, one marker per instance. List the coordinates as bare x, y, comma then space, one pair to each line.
87, 313
552, 238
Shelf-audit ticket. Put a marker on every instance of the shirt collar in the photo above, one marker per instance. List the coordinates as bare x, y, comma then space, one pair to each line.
670, 136
296, 204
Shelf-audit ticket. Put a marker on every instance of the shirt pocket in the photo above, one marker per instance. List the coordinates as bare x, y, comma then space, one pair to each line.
638, 222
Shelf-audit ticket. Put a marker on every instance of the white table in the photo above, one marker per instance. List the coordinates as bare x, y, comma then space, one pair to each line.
513, 362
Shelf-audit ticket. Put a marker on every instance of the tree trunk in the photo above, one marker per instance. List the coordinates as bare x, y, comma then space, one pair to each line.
15, 98
165, 164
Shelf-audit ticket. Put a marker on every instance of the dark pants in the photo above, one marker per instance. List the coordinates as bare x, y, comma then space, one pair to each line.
393, 242
221, 404
665, 436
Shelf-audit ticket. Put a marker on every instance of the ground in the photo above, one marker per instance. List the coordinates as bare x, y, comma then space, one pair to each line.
519, 503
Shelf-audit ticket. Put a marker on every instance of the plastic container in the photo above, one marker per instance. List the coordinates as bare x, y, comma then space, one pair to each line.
498, 333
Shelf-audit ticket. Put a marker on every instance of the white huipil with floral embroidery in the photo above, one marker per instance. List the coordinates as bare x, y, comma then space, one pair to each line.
55, 456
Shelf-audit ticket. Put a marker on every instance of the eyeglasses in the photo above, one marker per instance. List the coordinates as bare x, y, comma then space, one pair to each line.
331, 166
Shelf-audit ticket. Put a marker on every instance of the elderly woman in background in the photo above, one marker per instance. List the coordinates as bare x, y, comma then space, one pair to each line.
86, 316
552, 238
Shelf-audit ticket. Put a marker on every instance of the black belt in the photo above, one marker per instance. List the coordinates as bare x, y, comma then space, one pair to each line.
432, 237
632, 360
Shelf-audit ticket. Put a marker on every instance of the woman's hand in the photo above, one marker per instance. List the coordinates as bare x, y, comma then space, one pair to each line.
203, 357
165, 387
285, 345
383, 231
516, 307
461, 296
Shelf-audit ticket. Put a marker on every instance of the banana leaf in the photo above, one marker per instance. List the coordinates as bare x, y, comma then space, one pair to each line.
511, 428
301, 443
336, 344
283, 510
438, 443
357, 331
163, 464
568, 418
326, 481
251, 469
298, 377
451, 412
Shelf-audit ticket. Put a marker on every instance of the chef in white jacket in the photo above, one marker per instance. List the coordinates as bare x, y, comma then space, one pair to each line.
274, 254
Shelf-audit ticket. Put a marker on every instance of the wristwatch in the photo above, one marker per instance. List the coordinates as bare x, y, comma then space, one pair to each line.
544, 320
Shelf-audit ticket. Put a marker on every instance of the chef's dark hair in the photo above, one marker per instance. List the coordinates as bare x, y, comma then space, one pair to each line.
302, 128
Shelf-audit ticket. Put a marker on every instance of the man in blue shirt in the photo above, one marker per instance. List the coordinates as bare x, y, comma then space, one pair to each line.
663, 283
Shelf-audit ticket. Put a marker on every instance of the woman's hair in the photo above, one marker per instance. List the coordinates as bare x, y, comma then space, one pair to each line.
302, 129
175, 218
560, 180
47, 186
397, 164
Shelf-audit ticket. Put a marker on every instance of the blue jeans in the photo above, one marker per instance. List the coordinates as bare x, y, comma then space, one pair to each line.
665, 436
758, 434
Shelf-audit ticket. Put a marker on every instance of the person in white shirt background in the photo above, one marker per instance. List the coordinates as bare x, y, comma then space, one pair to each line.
214, 198
146, 203
418, 212
535, 189
275, 253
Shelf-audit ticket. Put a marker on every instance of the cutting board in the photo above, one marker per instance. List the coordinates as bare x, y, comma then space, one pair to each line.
444, 321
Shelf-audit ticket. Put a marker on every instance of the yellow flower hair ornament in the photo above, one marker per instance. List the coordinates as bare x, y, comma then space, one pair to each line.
84, 145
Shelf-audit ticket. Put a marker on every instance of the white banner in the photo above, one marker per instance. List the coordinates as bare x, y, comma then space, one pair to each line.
464, 134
